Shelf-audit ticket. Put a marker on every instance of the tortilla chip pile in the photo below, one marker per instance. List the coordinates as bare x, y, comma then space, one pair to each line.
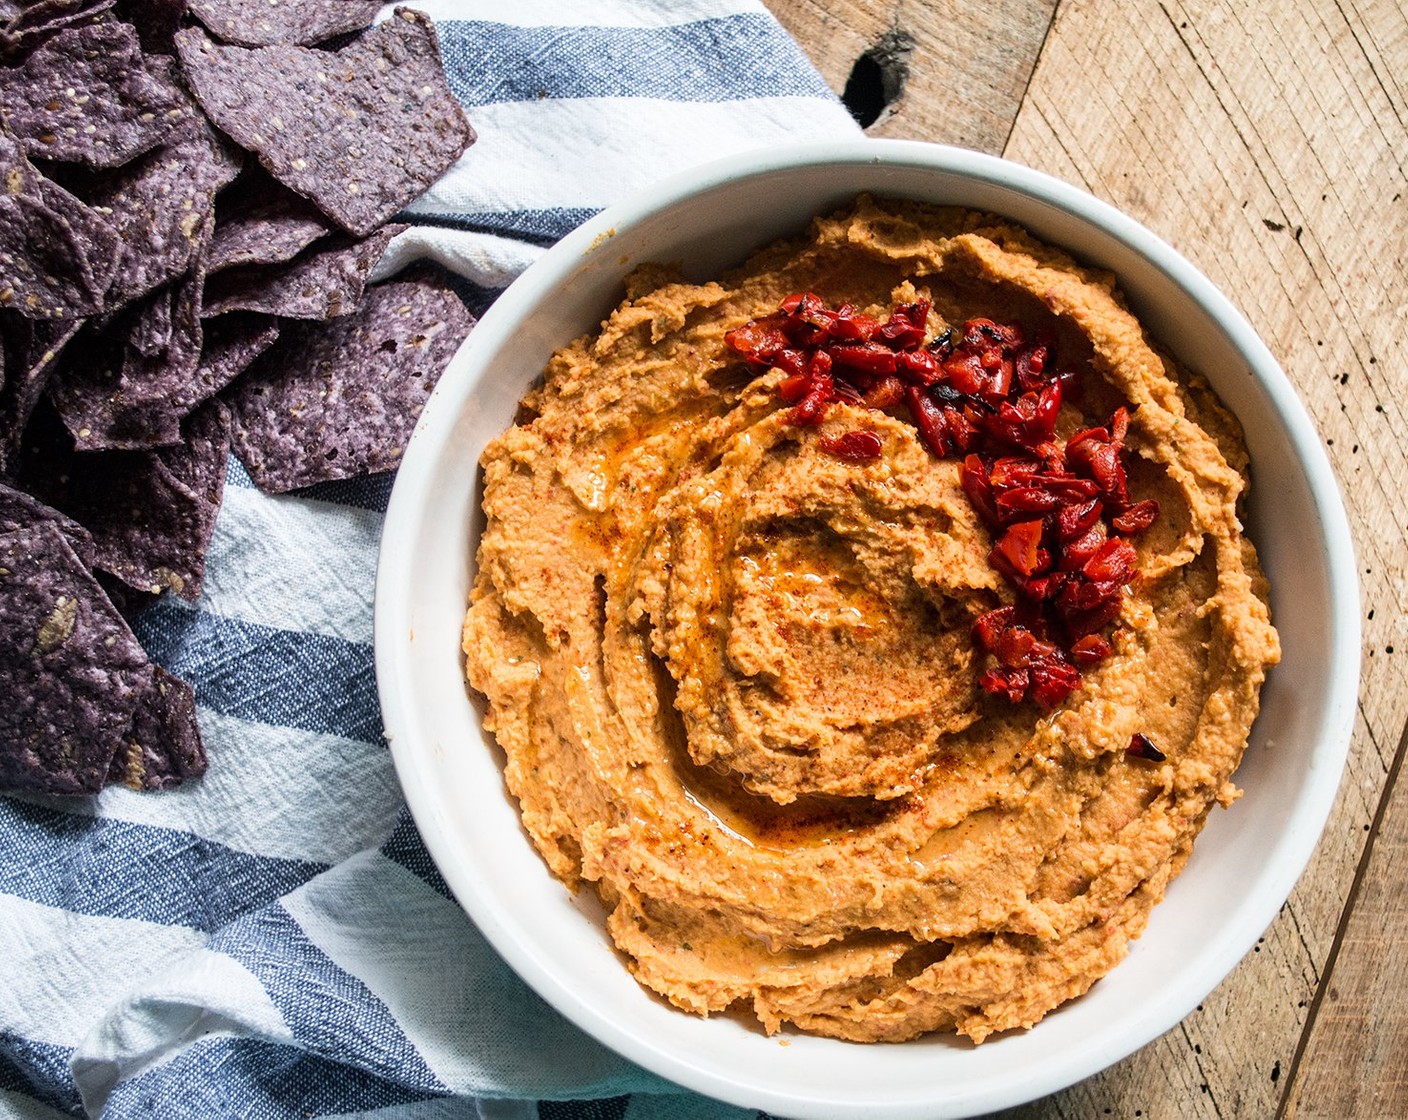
194, 195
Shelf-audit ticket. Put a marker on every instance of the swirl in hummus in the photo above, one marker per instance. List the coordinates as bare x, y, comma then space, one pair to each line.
735, 681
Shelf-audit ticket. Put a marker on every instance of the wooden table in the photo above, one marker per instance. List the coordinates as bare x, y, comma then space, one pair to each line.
1269, 143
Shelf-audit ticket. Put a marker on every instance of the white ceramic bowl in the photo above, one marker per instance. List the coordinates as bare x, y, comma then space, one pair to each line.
1247, 859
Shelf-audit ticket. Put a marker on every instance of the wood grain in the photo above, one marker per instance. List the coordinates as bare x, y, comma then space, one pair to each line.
967, 70
1352, 1061
1269, 143
1265, 145
1268, 150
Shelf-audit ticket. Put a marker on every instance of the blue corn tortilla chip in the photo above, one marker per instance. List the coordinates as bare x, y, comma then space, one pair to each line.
322, 282
30, 348
85, 388
259, 23
130, 385
232, 342
152, 323
159, 207
114, 397
23, 26
87, 96
260, 221
360, 132
150, 513
71, 671
56, 253
162, 748
19, 510
339, 399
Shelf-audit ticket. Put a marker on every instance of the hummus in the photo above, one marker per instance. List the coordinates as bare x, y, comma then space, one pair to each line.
735, 680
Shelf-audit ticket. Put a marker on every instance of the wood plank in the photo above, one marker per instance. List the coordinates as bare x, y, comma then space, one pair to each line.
1267, 142
1353, 1059
966, 69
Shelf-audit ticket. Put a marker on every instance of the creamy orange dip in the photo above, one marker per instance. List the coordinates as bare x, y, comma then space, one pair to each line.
735, 681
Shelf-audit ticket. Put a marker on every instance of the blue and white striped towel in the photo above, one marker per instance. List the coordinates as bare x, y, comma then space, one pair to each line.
273, 941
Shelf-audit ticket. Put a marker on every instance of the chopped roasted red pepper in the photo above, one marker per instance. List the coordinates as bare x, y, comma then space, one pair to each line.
1136, 519
1059, 512
1021, 547
868, 357
1142, 747
853, 447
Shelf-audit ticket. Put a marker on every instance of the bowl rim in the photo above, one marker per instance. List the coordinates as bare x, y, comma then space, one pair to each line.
391, 611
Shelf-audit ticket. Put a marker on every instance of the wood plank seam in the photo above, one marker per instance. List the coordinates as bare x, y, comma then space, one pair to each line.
1060, 143
1257, 163
1374, 70
1294, 918
1328, 971
1203, 1076
1373, 738
1367, 367
1027, 85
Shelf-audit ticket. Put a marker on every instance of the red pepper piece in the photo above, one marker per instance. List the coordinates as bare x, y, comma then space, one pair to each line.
848, 326
806, 319
1011, 683
808, 308
1076, 554
980, 333
929, 420
845, 391
1028, 422
1137, 518
1024, 500
1048, 406
1014, 647
1080, 623
1142, 747
961, 429
918, 366
1100, 460
760, 341
988, 627
1053, 681
1084, 594
811, 410
1076, 519
904, 329
965, 373
1028, 366
1113, 563
1090, 650
1015, 470
973, 477
1040, 588
1067, 487
1077, 438
853, 447
870, 357
794, 388
886, 392
791, 360
1021, 547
